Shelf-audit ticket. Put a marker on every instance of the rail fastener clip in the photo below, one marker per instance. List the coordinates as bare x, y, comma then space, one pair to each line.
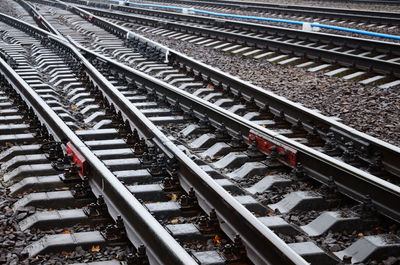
78, 159
266, 144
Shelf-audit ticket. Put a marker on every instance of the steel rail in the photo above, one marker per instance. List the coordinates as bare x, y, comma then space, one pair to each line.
366, 145
308, 7
141, 226
40, 20
263, 246
390, 18
383, 2
288, 6
351, 181
324, 38
361, 181
376, 2
328, 56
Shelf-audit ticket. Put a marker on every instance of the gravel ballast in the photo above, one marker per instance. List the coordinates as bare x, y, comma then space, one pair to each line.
369, 109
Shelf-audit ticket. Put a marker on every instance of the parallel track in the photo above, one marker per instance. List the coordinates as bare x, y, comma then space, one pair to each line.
278, 157
120, 201
366, 16
364, 146
365, 55
101, 179
292, 112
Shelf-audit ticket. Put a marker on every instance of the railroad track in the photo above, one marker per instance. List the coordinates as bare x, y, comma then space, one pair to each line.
371, 2
355, 28
102, 160
277, 19
320, 14
213, 77
260, 176
370, 62
38, 169
242, 102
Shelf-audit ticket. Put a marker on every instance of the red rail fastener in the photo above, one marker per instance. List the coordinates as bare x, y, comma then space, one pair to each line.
77, 158
264, 143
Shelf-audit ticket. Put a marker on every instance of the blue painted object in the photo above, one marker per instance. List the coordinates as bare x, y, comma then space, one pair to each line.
363, 32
